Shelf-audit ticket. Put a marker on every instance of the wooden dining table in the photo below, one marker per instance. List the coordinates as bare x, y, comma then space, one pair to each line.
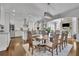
40, 36
41, 39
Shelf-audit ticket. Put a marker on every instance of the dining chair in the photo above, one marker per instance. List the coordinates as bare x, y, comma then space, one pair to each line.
26, 48
60, 41
65, 39
54, 44
32, 44
51, 36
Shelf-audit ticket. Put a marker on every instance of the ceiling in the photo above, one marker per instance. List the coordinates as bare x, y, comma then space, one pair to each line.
35, 11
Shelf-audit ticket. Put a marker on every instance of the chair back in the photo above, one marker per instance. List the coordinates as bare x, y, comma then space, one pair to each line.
66, 35
29, 39
55, 40
62, 37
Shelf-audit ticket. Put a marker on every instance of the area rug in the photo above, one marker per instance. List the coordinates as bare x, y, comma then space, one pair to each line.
64, 52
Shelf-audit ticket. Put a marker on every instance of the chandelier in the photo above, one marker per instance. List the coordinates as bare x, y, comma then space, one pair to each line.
25, 24
47, 15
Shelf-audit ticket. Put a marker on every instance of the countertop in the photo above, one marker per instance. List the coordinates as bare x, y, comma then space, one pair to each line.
4, 32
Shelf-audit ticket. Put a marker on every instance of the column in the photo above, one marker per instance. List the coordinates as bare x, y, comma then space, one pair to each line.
77, 37
74, 25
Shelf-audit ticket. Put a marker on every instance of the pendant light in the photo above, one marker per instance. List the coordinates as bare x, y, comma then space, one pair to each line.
47, 15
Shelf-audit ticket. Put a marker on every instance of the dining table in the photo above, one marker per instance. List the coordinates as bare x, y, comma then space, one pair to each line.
40, 37
41, 40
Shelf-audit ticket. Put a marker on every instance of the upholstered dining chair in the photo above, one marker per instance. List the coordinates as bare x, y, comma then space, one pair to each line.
32, 44
65, 39
54, 44
60, 41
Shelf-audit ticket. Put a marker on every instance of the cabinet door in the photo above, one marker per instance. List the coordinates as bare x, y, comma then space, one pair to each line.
3, 41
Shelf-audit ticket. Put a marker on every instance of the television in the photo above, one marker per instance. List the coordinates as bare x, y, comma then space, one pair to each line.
66, 25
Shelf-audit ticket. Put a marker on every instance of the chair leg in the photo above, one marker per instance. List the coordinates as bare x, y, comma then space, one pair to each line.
49, 49
32, 51
56, 50
64, 43
42, 41
52, 51
60, 47
45, 49
29, 48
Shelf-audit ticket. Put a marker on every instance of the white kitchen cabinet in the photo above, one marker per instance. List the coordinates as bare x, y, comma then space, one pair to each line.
4, 40
22, 34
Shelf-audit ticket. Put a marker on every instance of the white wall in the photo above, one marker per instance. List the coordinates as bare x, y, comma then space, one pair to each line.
18, 24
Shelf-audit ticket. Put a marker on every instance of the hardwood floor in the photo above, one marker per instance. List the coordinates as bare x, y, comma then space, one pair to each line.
4, 53
73, 50
15, 48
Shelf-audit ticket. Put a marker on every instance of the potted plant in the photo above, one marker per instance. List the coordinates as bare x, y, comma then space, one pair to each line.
48, 30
